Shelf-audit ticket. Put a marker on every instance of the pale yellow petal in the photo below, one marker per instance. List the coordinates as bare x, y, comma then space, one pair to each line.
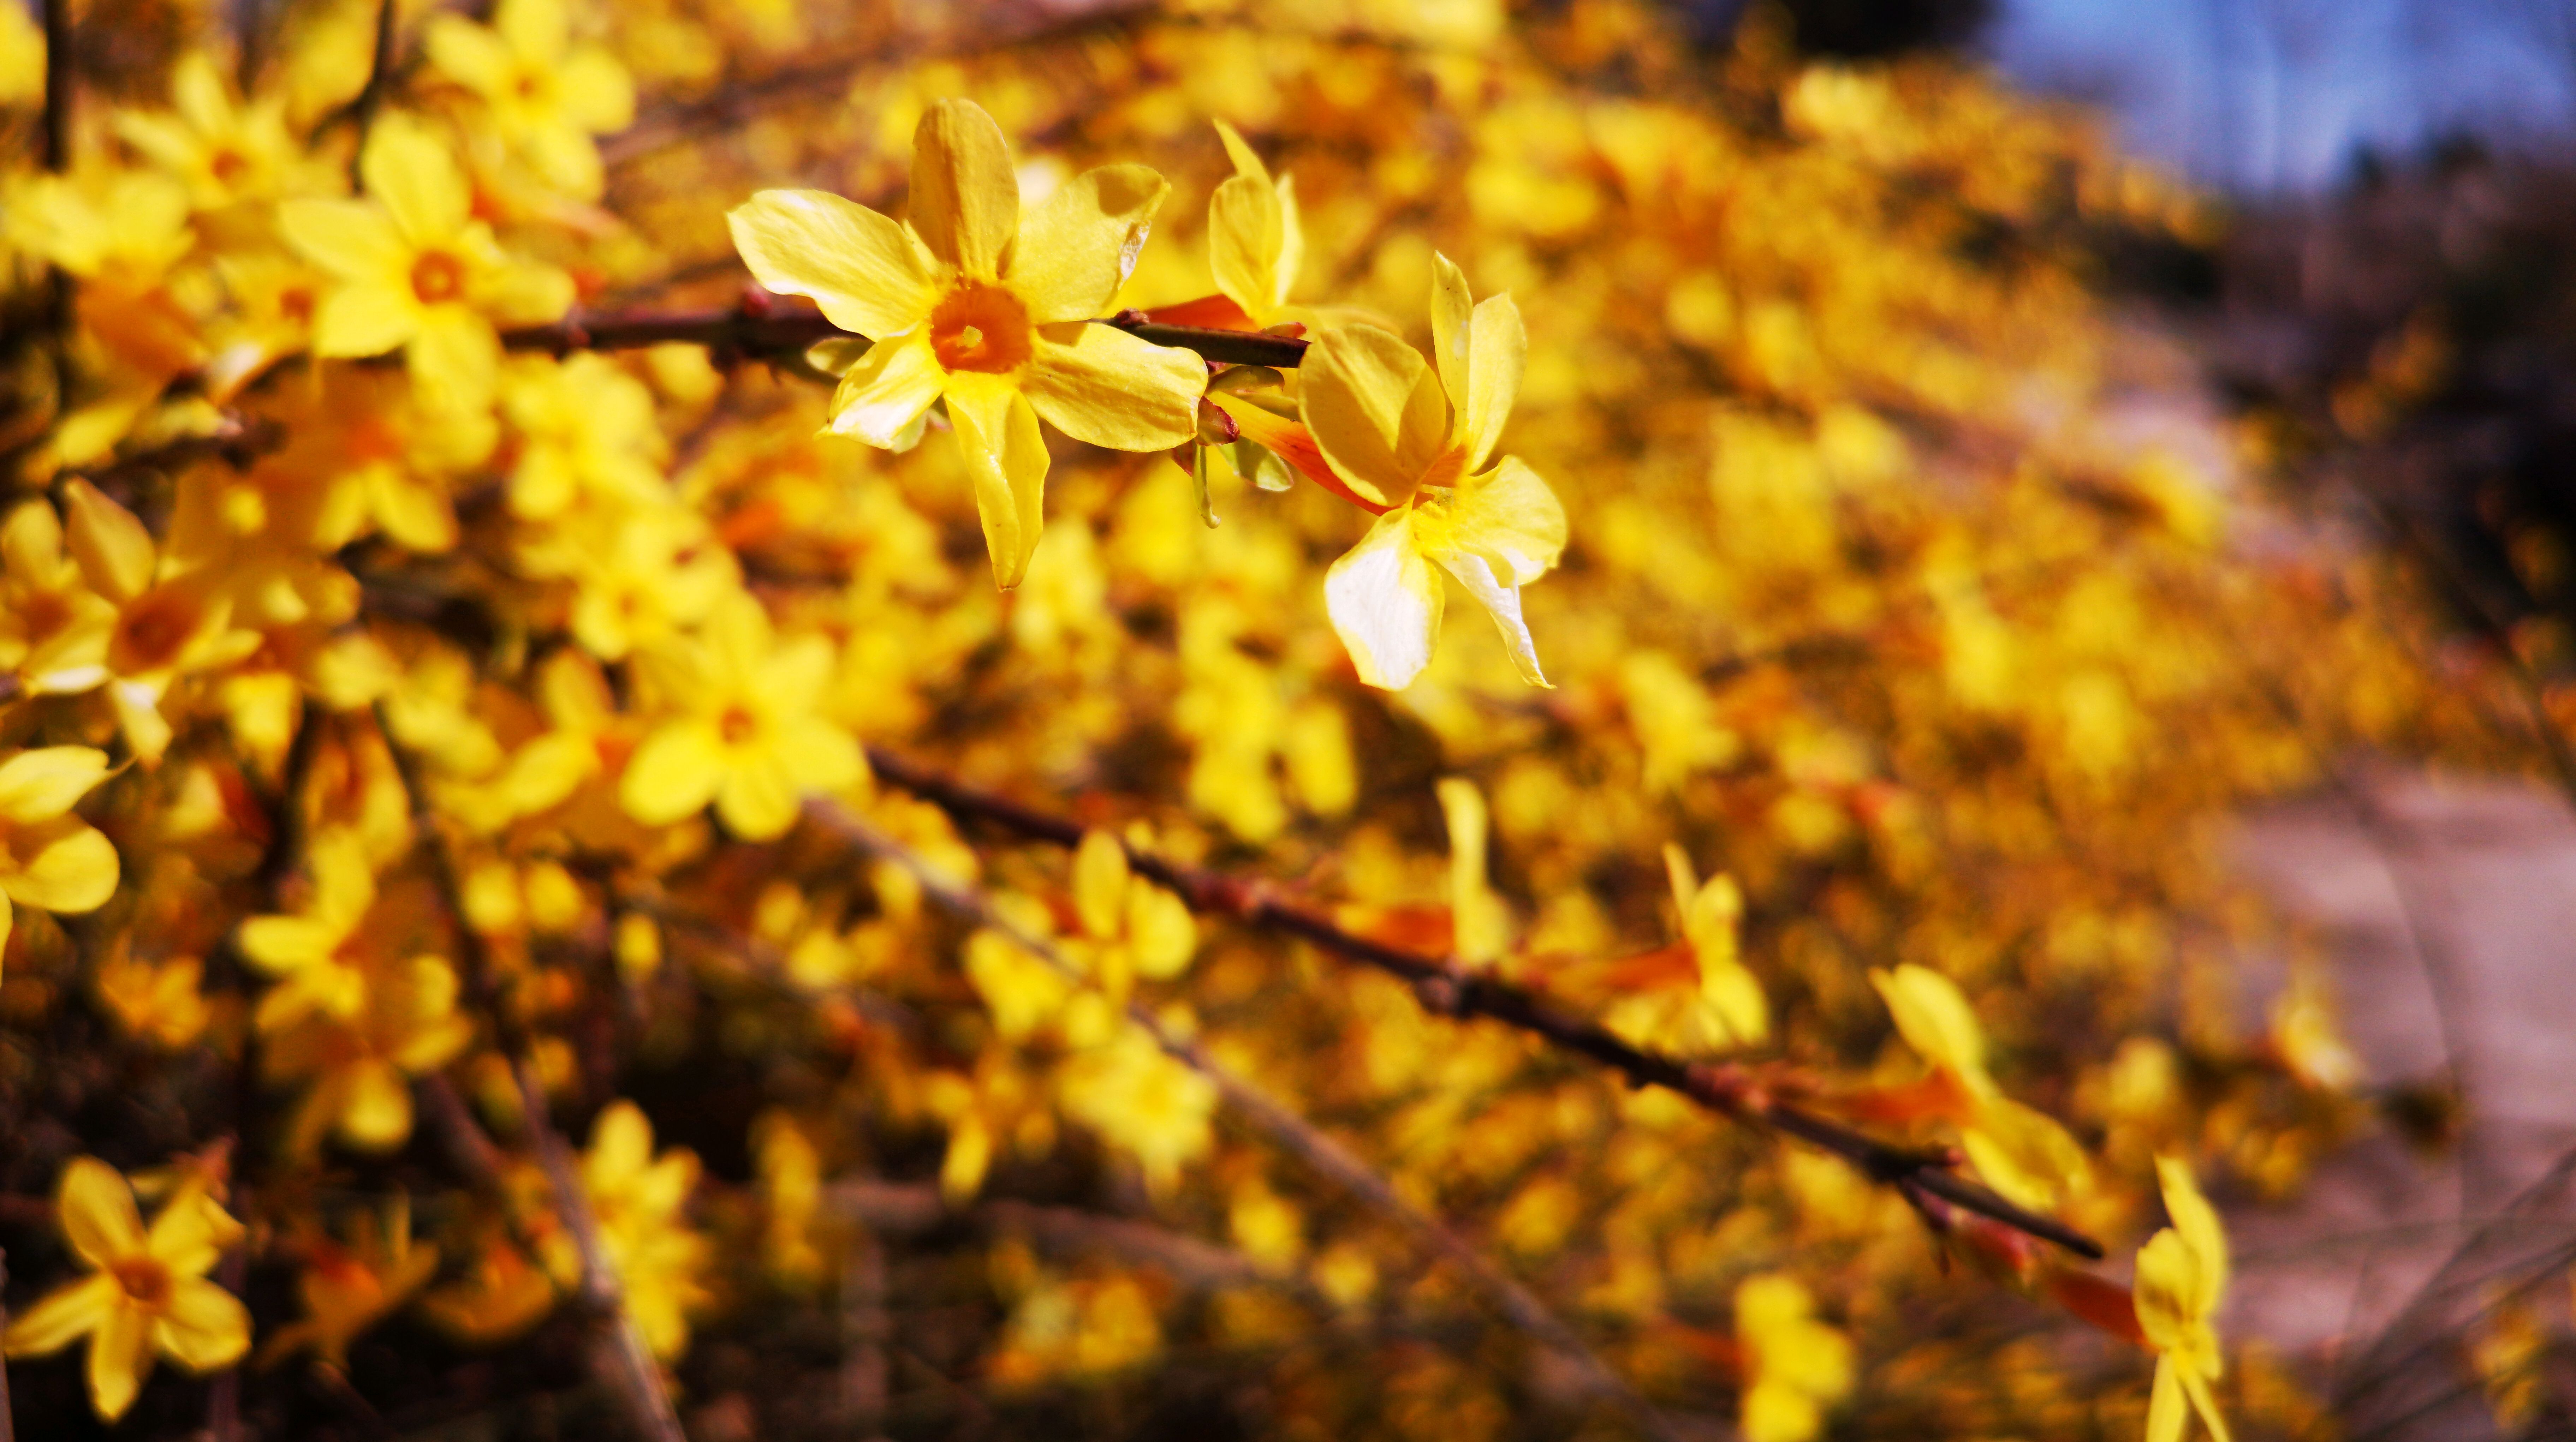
456, 358
1934, 1018
598, 94
1375, 409
758, 799
42, 784
1247, 162
375, 1113
856, 264
2197, 1389
1008, 459
1244, 232
1099, 384
2168, 1412
364, 320
68, 867
887, 391
535, 29
1452, 326
1385, 603
353, 239
115, 552
120, 1357
1502, 602
469, 55
1512, 519
1100, 884
204, 1327
1080, 244
407, 166
965, 202
675, 772
2196, 1221
65, 1315
97, 1213
1498, 354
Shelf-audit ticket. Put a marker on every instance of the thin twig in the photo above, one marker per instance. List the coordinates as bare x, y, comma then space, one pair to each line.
380, 74
1451, 990
762, 329
624, 1361
1281, 1124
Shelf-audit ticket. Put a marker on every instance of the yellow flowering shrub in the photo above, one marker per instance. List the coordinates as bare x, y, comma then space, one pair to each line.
495, 648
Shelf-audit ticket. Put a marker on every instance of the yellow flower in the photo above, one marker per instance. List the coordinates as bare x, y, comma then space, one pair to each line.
1794, 1365
1254, 243
222, 152
160, 1002
974, 304
173, 612
1417, 441
324, 955
2182, 1275
1135, 927
415, 269
348, 1289
147, 1295
1479, 928
49, 858
1143, 1102
637, 1199
502, 1296
2022, 1153
361, 1067
1732, 1010
53, 627
746, 733
547, 96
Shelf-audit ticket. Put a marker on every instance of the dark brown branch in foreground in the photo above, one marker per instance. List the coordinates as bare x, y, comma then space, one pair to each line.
1450, 990
764, 329
621, 1357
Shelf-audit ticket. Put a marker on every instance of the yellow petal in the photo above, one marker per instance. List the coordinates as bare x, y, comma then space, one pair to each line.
598, 94
197, 92
965, 197
536, 29
1244, 232
1292, 242
65, 866
114, 550
1510, 517
1099, 384
1498, 353
887, 391
375, 1113
65, 1315
1375, 409
204, 1327
97, 1213
758, 797
408, 167
120, 1357
1008, 459
191, 1232
2196, 1221
1452, 327
42, 784
455, 358
469, 55
1385, 603
364, 320
1503, 603
2167, 1416
1247, 162
856, 264
675, 772
2023, 1153
1080, 244
2197, 1389
1100, 884
1933, 1017
353, 239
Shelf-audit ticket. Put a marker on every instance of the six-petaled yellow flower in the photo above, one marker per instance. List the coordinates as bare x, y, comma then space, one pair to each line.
1418, 442
546, 95
146, 1295
2182, 1277
973, 303
50, 859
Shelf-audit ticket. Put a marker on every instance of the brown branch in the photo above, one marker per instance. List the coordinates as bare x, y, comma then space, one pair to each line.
1451, 990
1281, 1124
623, 1360
764, 328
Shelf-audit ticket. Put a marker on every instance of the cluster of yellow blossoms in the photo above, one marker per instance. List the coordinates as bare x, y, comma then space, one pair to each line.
443, 628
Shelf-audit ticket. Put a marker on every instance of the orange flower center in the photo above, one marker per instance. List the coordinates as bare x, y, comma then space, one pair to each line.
229, 166
980, 328
737, 725
151, 633
437, 276
144, 1279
